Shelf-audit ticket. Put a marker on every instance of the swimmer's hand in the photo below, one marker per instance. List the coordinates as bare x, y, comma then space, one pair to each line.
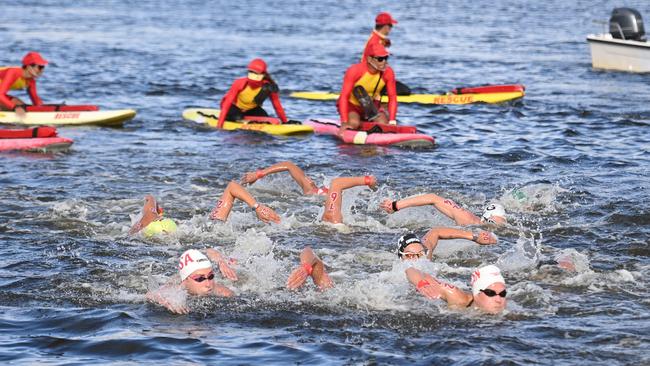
387, 205
156, 297
297, 278
249, 178
224, 268
485, 238
430, 291
371, 182
266, 214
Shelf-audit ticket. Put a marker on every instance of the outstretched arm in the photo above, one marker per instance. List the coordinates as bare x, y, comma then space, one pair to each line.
334, 198
431, 288
446, 206
224, 268
310, 265
297, 174
431, 238
161, 297
235, 190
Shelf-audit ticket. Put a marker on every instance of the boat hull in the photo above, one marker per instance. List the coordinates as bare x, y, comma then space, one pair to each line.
608, 53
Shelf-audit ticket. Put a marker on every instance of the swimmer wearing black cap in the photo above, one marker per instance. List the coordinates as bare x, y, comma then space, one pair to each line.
409, 246
493, 213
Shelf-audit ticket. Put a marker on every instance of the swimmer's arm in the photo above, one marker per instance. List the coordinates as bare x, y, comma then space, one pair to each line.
235, 190
296, 173
446, 206
224, 268
431, 288
156, 297
310, 265
431, 238
223, 291
343, 183
334, 198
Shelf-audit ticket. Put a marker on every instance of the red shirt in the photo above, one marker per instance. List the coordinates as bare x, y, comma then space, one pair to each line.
375, 37
354, 74
231, 97
11, 78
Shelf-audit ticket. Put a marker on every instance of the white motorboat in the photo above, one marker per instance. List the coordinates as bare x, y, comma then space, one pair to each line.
624, 48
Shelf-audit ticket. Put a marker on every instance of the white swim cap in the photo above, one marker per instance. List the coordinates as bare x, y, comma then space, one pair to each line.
483, 277
190, 261
493, 209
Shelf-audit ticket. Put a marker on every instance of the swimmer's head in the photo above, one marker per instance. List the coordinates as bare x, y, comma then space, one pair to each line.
489, 289
409, 247
196, 272
494, 213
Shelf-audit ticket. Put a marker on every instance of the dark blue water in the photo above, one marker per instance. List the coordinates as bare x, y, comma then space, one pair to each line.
72, 283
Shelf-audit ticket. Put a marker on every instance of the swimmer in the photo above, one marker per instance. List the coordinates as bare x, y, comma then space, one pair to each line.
234, 190
310, 265
334, 193
196, 279
409, 246
493, 214
488, 290
151, 220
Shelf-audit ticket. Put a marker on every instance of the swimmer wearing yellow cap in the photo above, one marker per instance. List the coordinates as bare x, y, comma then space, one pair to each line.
493, 214
152, 222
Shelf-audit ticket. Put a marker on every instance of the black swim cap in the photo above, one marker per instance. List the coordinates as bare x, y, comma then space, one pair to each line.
404, 241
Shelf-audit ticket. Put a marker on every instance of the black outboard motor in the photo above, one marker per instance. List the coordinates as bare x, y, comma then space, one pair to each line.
626, 23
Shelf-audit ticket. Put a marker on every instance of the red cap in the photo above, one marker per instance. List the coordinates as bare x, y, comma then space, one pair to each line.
34, 58
258, 65
385, 18
378, 50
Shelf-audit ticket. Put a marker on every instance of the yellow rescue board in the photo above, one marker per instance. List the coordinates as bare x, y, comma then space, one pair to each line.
73, 118
427, 98
210, 117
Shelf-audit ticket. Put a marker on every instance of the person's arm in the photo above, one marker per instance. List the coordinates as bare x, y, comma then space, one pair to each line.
33, 93
335, 196
229, 99
235, 190
296, 173
391, 90
431, 238
161, 297
431, 288
446, 206
275, 99
310, 265
10, 76
222, 262
348, 84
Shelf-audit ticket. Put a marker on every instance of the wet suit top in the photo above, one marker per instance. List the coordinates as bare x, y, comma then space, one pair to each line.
11, 78
358, 74
242, 93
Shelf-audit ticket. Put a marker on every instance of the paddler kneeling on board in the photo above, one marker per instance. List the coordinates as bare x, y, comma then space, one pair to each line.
196, 279
334, 193
246, 95
14, 78
360, 98
151, 221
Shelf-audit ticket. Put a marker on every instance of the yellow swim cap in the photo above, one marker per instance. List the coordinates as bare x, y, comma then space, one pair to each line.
164, 226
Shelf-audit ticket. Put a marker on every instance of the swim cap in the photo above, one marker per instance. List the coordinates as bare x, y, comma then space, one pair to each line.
34, 58
258, 65
405, 241
192, 260
164, 226
384, 18
483, 277
493, 209
378, 50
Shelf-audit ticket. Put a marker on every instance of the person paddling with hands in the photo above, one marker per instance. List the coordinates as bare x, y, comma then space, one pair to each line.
196, 279
310, 266
488, 290
234, 190
247, 94
333, 193
360, 98
493, 213
15, 78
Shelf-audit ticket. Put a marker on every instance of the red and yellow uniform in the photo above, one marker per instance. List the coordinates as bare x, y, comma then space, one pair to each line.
244, 92
375, 37
11, 78
373, 83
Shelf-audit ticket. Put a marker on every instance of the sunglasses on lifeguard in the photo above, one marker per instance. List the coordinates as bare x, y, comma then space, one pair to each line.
492, 293
380, 58
40, 67
202, 278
